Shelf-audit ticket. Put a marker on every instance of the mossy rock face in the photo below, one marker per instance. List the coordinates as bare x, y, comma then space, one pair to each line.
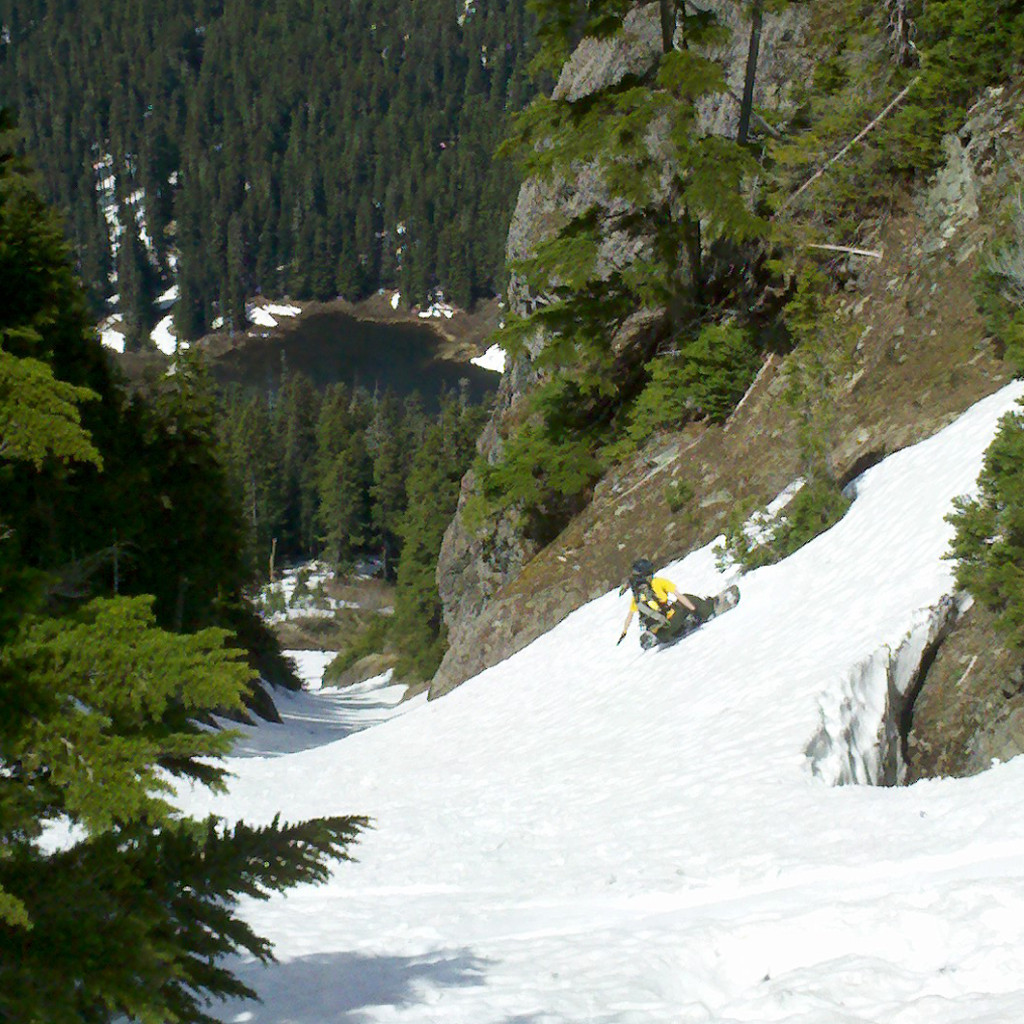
970, 710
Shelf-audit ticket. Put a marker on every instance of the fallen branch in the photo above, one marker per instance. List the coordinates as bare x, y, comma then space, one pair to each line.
765, 366
846, 149
967, 672
843, 248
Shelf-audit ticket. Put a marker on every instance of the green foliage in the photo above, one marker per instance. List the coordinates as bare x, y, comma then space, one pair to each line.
272, 601
111, 906
960, 47
670, 195
754, 538
678, 495
128, 916
713, 370
562, 23
371, 639
39, 414
417, 628
536, 468
999, 286
817, 370
965, 46
110, 675
988, 545
546, 462
138, 923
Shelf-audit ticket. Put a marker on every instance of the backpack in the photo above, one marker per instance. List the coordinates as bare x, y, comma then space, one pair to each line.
648, 604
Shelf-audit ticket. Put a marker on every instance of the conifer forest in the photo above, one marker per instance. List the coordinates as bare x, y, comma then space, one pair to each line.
280, 146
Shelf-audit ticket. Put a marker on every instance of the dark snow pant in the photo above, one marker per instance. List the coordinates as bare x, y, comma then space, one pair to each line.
682, 620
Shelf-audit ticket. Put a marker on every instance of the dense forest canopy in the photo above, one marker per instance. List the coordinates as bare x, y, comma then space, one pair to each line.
275, 146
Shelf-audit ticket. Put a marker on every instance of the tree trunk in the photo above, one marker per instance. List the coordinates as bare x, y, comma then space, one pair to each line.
901, 32
695, 252
668, 25
179, 606
747, 104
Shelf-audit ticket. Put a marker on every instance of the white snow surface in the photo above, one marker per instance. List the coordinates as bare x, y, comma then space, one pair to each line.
163, 336
111, 332
492, 359
169, 297
591, 833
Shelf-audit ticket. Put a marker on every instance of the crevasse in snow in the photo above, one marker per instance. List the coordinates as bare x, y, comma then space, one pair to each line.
860, 740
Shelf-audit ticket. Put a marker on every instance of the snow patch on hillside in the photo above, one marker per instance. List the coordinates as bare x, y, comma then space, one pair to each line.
493, 359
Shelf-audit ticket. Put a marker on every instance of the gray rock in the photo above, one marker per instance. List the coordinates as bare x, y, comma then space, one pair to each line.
474, 568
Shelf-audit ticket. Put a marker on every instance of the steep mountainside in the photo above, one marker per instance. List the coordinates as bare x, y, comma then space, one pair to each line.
924, 354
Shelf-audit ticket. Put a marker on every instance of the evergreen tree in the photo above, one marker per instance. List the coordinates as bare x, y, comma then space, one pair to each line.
674, 202
297, 411
263, 178
988, 546
391, 450
136, 284
417, 628
344, 476
133, 912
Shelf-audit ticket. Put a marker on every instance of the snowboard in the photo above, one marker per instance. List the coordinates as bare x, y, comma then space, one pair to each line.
720, 604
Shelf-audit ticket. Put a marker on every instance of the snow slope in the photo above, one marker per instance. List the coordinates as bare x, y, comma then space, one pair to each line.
588, 833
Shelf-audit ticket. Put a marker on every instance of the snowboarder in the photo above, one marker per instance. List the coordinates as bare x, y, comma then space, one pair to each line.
667, 614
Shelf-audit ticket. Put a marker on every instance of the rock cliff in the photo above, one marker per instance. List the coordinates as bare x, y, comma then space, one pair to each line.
475, 568
924, 357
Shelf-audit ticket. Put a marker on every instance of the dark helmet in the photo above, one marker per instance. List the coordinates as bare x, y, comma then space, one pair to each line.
642, 569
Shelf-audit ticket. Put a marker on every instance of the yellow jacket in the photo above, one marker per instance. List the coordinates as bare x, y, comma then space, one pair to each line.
666, 592
662, 588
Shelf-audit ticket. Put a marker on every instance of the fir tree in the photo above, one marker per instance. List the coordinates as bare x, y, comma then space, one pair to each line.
433, 490
669, 202
988, 546
344, 476
131, 914
263, 178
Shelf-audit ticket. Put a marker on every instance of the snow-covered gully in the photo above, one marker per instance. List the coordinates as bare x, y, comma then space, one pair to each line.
588, 834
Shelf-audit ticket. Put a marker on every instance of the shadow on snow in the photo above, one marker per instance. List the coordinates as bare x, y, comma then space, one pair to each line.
333, 988
314, 719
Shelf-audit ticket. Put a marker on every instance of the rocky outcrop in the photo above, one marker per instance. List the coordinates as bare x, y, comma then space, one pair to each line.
970, 709
475, 568
982, 168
